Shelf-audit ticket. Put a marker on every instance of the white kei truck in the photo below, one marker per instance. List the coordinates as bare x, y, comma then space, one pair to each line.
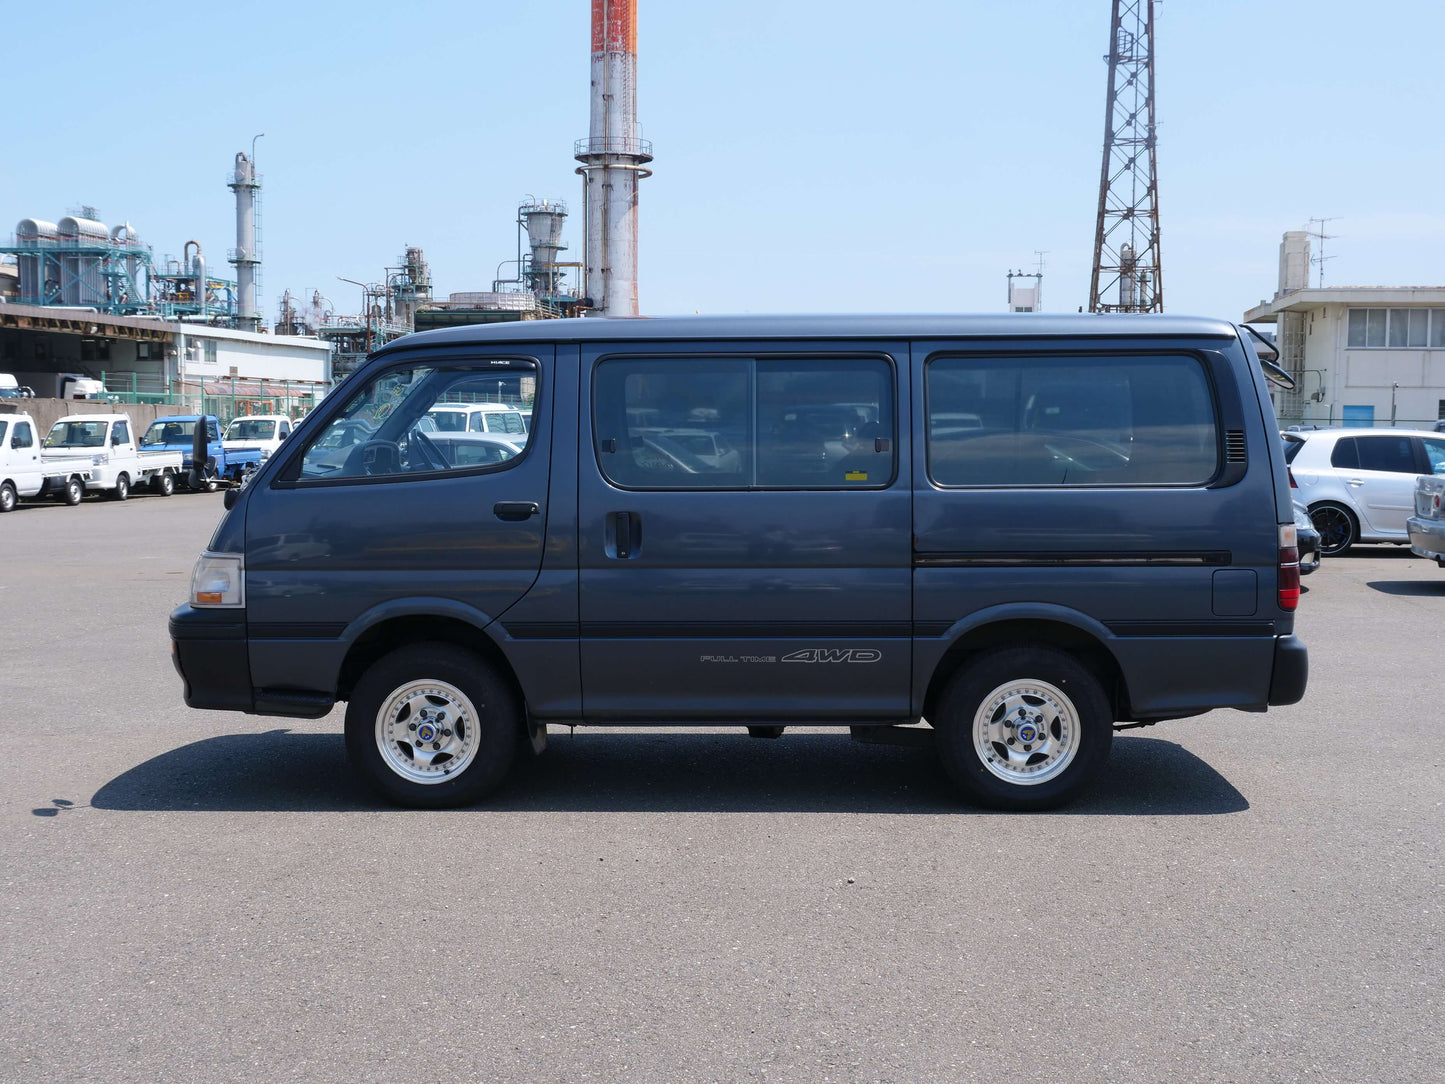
117, 464
24, 473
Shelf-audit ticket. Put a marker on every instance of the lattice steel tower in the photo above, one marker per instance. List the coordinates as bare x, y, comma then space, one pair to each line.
1127, 267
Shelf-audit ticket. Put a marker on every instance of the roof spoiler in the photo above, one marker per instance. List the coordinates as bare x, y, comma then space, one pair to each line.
1269, 364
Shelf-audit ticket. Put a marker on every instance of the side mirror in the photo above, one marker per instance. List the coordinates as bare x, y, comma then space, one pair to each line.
14, 442
282, 437
114, 439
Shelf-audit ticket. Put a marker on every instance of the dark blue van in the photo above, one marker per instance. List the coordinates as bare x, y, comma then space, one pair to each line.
1025, 530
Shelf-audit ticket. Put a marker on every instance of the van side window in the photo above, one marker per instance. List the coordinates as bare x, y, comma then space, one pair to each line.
385, 430
1057, 421
744, 423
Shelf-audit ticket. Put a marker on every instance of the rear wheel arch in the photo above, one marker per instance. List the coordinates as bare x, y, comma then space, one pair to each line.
1032, 632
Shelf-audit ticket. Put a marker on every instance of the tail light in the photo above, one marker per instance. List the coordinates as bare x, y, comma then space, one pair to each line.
1288, 567
1292, 483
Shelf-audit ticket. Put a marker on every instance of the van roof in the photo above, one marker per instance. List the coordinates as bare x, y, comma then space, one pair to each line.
848, 325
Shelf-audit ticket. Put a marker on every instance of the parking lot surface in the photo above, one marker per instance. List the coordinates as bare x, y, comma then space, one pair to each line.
199, 896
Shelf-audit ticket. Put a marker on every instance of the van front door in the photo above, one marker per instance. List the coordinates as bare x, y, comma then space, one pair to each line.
376, 511
745, 534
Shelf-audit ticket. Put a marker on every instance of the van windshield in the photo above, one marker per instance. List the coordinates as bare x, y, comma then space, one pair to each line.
76, 435
251, 429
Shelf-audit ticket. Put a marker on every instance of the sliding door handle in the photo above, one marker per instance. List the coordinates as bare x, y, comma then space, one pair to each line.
516, 510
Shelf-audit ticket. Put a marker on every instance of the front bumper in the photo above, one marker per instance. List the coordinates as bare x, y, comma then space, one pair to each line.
1291, 671
1427, 537
208, 649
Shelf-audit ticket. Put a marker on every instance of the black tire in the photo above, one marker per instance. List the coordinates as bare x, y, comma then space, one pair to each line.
8, 497
164, 483
122, 488
392, 697
73, 491
1066, 717
1337, 525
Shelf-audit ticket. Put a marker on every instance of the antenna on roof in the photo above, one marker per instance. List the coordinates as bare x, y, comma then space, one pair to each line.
1319, 258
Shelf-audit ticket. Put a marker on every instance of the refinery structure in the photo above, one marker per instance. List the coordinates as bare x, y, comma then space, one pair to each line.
79, 297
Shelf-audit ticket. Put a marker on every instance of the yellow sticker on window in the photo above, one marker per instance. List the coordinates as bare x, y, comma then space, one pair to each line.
856, 476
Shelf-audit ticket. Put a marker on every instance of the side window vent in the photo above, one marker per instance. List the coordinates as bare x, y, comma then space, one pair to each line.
1234, 451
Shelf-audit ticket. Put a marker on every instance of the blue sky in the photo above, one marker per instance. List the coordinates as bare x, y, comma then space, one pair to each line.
811, 156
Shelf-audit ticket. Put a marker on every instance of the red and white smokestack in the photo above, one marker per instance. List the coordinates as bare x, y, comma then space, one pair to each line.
612, 160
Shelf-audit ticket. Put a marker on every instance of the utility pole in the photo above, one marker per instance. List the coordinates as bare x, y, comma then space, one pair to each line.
1127, 273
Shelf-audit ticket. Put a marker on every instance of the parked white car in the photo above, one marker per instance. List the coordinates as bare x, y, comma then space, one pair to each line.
263, 431
117, 463
23, 473
1359, 484
478, 418
1427, 525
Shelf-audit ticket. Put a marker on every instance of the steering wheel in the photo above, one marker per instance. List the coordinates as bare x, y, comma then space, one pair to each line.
374, 457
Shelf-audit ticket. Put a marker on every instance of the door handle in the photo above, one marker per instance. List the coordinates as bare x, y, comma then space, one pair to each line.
1356, 481
516, 511
626, 535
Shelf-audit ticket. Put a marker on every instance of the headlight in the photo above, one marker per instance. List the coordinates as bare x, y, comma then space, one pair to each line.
98, 459
219, 580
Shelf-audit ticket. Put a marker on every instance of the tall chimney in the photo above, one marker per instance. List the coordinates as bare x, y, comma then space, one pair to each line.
244, 182
1294, 262
612, 160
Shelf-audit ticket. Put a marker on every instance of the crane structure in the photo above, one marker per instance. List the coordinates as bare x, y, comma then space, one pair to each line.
1128, 274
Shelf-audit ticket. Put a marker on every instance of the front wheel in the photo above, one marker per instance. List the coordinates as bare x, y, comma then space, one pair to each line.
1023, 728
122, 488
73, 492
8, 497
432, 726
164, 483
1337, 528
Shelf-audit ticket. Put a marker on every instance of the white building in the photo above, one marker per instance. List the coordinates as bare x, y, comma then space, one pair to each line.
1362, 355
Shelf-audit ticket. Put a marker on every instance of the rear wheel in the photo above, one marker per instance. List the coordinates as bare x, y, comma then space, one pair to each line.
1337, 527
1023, 728
432, 726
8, 497
122, 488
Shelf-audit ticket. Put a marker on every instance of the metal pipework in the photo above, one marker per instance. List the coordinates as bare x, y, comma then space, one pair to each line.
612, 160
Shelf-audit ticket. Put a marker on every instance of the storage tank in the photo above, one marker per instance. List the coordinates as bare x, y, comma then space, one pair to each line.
41, 234
82, 281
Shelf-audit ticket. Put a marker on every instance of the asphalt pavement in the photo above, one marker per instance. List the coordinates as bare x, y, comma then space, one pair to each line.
205, 896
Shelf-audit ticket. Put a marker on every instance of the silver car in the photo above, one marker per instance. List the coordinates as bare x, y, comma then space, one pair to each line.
1359, 484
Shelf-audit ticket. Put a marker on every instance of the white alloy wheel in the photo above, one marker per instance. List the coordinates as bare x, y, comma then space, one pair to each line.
1026, 732
426, 731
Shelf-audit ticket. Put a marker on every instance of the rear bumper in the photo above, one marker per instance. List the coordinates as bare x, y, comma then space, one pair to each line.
1427, 537
1291, 671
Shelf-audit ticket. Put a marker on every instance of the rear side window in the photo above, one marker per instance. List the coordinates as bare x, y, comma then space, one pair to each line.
1394, 454
1345, 455
1052, 421
746, 423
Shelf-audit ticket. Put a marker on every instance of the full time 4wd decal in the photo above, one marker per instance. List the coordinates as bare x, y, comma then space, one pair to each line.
807, 654
834, 654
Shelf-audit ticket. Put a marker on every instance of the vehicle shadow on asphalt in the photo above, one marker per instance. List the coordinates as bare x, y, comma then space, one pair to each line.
592, 771
1417, 588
